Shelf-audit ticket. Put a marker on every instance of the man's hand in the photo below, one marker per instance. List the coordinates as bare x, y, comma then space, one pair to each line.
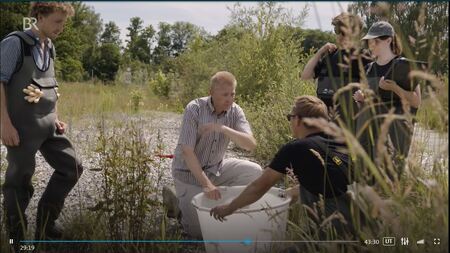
209, 127
387, 84
219, 212
9, 134
327, 48
60, 126
212, 192
294, 193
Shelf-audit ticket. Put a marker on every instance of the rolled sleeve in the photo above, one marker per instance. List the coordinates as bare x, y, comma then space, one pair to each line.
241, 124
189, 127
9, 57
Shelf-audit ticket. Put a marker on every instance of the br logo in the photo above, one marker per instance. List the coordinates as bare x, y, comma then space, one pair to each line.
29, 22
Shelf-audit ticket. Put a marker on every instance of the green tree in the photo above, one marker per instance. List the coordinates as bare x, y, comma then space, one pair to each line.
68, 54
70, 69
312, 38
107, 61
87, 23
421, 26
162, 51
11, 17
111, 34
139, 40
230, 32
87, 26
261, 54
268, 52
181, 35
76, 45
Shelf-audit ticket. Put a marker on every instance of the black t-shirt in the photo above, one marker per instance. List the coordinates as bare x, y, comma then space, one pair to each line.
334, 71
339, 66
317, 163
397, 69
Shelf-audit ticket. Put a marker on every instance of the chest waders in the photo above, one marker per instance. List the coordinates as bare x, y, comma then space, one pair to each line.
35, 124
328, 84
369, 122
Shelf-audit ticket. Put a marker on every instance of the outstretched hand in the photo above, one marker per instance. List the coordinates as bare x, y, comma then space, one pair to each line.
220, 212
212, 192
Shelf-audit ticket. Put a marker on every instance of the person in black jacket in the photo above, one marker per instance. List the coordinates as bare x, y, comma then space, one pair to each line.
336, 65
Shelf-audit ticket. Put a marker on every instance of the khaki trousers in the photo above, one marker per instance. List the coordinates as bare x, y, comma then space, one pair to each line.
234, 172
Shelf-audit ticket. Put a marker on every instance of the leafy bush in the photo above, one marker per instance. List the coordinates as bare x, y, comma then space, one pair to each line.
136, 100
160, 84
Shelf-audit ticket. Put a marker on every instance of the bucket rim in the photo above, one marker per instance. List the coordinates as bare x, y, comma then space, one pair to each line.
287, 199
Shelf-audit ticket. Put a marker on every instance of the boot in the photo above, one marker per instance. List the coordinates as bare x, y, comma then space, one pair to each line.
17, 230
170, 202
49, 232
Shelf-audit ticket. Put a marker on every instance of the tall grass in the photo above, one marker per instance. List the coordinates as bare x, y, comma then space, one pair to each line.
80, 99
434, 103
129, 209
414, 205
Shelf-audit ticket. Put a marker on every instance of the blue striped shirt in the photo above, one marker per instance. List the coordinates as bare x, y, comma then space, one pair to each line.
10, 55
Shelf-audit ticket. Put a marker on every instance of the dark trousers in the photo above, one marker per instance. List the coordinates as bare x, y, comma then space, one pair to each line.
18, 190
398, 141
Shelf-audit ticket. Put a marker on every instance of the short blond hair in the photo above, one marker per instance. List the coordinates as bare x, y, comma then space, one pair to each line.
310, 107
221, 78
47, 8
351, 22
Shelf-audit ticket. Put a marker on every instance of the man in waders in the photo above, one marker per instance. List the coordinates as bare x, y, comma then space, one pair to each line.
29, 122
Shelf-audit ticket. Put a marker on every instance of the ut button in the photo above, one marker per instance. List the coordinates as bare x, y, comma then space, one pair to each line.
388, 241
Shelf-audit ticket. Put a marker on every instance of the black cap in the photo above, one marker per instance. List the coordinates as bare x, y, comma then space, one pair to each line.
378, 29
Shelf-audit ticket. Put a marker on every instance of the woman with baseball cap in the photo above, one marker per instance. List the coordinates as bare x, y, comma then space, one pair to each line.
391, 90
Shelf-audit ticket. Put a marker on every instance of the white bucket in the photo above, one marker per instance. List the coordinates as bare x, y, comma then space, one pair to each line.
249, 229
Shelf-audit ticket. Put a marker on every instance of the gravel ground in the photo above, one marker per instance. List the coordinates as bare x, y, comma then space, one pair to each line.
430, 147
84, 133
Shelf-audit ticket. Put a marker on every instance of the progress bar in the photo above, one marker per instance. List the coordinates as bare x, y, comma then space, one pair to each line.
246, 241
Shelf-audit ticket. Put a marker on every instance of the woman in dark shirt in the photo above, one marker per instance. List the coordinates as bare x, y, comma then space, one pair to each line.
388, 78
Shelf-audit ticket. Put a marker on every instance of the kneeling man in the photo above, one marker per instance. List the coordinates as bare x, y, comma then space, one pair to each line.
209, 123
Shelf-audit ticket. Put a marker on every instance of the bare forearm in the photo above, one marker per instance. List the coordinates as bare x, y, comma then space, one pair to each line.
3, 107
243, 140
412, 97
308, 70
194, 166
251, 194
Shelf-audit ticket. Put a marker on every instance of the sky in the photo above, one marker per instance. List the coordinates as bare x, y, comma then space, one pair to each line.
212, 16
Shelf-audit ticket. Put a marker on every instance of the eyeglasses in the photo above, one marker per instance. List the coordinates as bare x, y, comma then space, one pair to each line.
290, 116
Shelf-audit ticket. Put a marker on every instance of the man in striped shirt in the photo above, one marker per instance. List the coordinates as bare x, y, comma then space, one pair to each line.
209, 123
